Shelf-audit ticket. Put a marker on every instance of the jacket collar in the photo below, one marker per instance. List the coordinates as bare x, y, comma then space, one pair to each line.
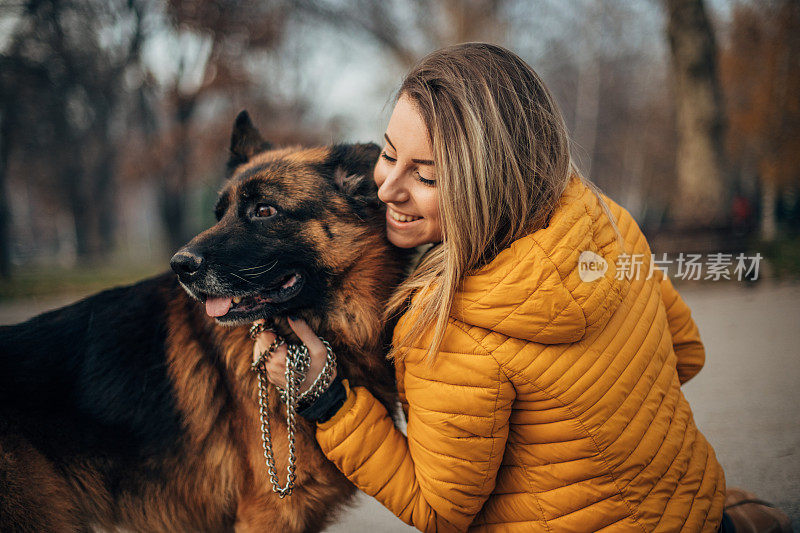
535, 288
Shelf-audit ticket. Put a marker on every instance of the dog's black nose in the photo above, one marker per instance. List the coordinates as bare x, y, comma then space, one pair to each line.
186, 263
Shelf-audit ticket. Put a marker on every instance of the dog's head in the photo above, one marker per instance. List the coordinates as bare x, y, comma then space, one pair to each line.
290, 223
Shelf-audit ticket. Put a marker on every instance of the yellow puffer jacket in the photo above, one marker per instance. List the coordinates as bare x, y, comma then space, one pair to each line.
554, 403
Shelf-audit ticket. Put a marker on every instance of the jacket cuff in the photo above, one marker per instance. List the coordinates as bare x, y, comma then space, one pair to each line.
350, 400
327, 403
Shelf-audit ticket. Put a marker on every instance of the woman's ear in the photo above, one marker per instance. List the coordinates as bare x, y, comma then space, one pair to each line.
246, 141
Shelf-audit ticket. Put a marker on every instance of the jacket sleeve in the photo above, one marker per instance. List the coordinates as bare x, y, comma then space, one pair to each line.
685, 335
437, 478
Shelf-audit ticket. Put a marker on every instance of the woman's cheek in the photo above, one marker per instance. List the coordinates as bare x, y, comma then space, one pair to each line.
429, 202
379, 173
432, 213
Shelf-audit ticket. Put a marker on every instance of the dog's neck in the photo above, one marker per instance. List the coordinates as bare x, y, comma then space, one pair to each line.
353, 316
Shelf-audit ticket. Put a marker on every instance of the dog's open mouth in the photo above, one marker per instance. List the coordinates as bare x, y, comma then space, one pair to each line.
285, 288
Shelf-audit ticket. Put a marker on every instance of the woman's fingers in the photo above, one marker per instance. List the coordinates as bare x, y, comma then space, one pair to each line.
276, 367
316, 350
275, 363
262, 343
262, 340
308, 337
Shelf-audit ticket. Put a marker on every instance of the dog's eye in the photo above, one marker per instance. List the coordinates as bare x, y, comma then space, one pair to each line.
265, 211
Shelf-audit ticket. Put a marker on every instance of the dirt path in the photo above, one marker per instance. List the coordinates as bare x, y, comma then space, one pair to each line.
747, 398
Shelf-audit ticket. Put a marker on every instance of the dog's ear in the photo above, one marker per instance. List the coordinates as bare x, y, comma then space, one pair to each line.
350, 167
246, 141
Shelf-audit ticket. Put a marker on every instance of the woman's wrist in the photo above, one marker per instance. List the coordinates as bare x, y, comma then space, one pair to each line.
327, 404
313, 372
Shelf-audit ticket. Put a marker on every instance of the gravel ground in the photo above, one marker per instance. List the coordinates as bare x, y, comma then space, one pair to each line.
745, 400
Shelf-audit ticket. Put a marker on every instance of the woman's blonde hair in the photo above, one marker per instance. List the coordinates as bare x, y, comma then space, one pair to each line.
502, 160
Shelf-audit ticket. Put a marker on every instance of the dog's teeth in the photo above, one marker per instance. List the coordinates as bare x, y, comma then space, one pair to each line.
237, 299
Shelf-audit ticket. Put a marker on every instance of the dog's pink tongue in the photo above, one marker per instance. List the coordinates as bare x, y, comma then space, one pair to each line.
218, 306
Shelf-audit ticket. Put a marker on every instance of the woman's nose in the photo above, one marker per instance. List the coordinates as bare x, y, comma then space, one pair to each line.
392, 189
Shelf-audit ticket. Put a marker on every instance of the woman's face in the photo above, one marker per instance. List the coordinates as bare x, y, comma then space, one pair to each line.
406, 182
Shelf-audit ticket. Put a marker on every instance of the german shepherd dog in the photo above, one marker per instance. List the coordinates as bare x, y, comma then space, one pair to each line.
136, 408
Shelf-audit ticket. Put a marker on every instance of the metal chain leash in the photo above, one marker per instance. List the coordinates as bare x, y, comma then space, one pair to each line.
298, 362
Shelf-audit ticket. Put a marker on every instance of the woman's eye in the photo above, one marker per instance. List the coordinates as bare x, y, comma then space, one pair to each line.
386, 157
426, 181
265, 211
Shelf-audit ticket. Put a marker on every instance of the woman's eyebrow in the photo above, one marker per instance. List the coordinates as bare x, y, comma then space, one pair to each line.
389, 141
417, 161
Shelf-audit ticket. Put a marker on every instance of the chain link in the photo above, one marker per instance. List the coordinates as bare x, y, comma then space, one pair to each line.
298, 362
323, 380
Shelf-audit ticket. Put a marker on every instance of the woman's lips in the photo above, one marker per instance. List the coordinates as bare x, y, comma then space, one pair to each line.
400, 221
400, 217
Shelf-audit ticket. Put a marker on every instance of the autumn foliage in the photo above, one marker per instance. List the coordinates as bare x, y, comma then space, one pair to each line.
760, 73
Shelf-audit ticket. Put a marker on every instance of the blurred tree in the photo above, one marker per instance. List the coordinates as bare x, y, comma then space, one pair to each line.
5, 208
64, 79
596, 56
407, 30
164, 128
702, 199
588, 83
230, 34
760, 70
608, 74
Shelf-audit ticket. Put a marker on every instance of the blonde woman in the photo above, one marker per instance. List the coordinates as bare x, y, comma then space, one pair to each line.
540, 381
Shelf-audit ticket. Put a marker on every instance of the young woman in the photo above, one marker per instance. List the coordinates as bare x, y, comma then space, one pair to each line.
540, 378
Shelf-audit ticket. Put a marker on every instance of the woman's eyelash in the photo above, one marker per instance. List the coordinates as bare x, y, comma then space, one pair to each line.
426, 181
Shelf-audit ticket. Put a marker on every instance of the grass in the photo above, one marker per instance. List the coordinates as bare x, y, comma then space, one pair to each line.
783, 255
29, 282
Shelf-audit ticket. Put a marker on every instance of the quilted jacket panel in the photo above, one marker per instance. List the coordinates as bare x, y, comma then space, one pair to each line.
554, 403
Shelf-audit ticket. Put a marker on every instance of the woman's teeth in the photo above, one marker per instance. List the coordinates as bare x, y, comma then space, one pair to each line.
402, 218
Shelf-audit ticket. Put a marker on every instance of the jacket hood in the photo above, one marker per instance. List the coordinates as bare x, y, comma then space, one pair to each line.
550, 286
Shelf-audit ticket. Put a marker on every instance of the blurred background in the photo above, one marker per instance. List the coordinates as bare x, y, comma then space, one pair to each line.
115, 115
115, 118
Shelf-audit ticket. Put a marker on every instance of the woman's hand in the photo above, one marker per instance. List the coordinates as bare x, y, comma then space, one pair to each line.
276, 362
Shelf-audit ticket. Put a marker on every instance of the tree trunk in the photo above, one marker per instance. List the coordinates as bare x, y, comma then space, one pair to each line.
702, 198
5, 210
768, 225
104, 194
175, 184
587, 102
72, 178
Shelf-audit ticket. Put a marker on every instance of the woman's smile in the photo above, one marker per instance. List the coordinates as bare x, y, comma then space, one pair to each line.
402, 220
